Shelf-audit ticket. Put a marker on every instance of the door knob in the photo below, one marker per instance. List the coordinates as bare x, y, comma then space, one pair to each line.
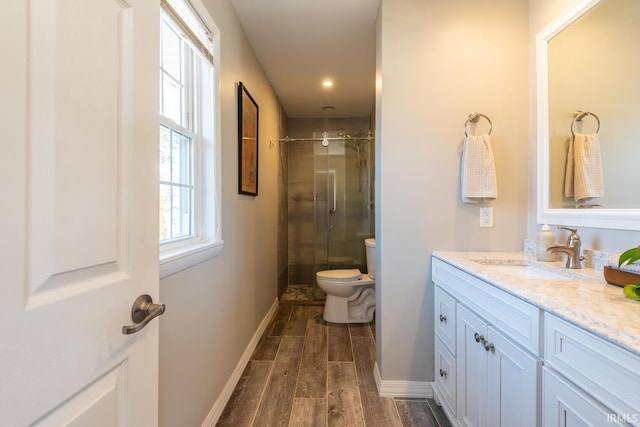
142, 312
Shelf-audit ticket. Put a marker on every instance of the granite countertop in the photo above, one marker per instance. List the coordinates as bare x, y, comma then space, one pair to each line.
584, 298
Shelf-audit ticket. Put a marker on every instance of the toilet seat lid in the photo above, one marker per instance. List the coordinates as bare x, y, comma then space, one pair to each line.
345, 275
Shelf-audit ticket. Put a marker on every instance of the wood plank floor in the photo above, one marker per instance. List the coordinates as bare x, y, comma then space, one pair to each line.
307, 372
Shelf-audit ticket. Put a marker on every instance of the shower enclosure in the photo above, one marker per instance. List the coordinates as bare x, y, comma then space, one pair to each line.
330, 205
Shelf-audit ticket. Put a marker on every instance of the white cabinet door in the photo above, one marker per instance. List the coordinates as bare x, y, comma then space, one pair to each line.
79, 211
471, 369
512, 383
566, 406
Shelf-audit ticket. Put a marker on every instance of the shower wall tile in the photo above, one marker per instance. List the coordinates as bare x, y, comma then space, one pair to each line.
300, 149
283, 208
299, 238
283, 235
283, 280
301, 232
300, 168
303, 128
301, 253
301, 154
300, 212
301, 191
321, 159
301, 274
322, 211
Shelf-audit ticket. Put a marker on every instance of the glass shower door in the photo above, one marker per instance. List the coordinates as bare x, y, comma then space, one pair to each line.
323, 202
343, 202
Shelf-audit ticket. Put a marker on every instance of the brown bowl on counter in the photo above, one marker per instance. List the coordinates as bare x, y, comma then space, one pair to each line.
618, 277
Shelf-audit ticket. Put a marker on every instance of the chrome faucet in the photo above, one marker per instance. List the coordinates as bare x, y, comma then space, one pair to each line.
572, 249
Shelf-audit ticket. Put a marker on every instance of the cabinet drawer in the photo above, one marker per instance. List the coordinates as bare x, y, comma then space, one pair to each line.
445, 377
514, 317
602, 369
445, 320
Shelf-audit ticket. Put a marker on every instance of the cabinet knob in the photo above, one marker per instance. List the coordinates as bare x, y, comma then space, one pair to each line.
443, 318
489, 346
443, 373
478, 337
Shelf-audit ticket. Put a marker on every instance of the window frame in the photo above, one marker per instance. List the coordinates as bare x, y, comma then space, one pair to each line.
206, 240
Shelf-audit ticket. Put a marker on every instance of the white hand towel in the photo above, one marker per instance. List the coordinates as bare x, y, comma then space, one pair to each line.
478, 172
583, 175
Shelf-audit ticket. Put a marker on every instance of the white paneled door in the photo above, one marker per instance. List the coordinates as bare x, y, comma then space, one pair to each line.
78, 211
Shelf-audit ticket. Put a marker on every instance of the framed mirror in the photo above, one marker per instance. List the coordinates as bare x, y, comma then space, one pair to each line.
588, 60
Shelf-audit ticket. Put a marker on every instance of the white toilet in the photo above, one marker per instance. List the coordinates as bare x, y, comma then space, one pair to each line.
351, 294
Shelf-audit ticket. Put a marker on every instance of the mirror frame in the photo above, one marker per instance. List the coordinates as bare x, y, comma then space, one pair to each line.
619, 219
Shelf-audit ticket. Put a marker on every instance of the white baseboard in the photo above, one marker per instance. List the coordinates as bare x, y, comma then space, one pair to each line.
419, 389
225, 394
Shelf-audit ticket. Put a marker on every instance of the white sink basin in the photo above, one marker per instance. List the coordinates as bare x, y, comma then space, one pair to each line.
523, 269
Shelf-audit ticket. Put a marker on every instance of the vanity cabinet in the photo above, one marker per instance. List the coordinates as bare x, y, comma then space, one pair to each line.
491, 345
487, 366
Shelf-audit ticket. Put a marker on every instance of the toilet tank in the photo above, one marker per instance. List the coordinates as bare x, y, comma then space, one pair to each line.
370, 248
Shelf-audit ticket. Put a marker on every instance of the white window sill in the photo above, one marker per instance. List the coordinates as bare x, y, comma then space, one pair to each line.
183, 257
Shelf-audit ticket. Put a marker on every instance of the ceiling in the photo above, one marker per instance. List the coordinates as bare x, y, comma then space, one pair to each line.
300, 43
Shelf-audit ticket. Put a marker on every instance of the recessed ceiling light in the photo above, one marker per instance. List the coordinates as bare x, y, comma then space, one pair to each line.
328, 108
327, 83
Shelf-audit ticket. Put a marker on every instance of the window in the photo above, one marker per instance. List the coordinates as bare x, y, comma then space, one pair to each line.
176, 185
189, 229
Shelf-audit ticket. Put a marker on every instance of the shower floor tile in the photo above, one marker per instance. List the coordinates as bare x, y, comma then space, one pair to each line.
302, 295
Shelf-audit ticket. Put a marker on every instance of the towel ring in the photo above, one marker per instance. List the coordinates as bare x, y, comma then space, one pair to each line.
579, 115
474, 118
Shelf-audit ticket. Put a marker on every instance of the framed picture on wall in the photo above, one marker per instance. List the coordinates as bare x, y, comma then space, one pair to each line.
247, 142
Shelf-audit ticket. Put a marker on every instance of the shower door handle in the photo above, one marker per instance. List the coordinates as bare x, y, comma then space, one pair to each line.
332, 211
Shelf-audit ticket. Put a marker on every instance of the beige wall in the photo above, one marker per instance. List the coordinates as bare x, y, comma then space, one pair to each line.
214, 308
542, 13
437, 62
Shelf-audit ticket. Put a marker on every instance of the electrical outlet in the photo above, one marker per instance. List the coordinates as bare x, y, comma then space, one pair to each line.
486, 217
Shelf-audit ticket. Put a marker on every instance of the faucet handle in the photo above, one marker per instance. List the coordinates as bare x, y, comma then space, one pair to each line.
574, 238
572, 230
